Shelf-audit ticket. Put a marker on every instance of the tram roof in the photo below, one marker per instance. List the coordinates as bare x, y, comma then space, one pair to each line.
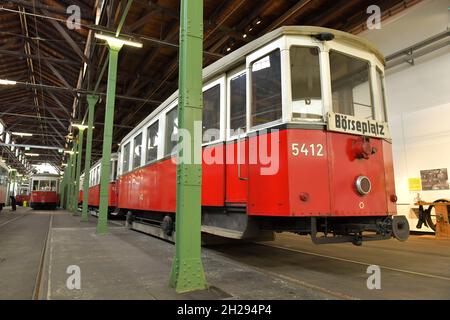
238, 57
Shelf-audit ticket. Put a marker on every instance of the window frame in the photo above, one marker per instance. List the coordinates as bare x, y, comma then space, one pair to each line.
160, 145
122, 157
369, 62
381, 112
132, 150
279, 44
233, 74
324, 79
221, 81
171, 106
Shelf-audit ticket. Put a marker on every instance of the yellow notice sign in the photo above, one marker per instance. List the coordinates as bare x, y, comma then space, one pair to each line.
415, 184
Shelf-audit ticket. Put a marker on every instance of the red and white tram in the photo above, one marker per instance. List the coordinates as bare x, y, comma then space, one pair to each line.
295, 139
94, 186
4, 173
45, 191
23, 194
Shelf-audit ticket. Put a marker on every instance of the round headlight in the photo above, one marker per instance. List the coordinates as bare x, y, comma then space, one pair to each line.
363, 185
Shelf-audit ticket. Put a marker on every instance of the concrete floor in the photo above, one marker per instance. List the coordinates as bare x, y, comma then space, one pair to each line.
129, 265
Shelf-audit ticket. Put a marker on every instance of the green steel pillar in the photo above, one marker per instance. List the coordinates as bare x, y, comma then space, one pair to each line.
78, 169
62, 188
102, 224
92, 101
72, 176
187, 268
69, 180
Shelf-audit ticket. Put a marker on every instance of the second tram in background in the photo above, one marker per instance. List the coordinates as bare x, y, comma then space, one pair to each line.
23, 194
44, 191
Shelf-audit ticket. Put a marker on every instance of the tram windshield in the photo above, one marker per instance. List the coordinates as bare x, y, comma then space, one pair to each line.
305, 83
350, 85
44, 185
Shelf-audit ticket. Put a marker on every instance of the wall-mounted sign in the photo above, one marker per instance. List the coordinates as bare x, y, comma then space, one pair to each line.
415, 184
434, 179
348, 124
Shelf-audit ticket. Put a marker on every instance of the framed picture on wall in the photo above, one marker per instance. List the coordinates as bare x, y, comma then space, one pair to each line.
434, 179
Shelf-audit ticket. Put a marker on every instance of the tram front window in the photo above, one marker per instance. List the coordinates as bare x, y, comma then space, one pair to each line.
350, 84
44, 185
36, 185
266, 89
305, 83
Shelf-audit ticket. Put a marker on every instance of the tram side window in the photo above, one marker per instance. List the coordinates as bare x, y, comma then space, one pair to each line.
126, 158
53, 185
137, 151
99, 174
382, 94
152, 142
238, 103
350, 84
171, 139
266, 89
211, 114
36, 185
113, 170
305, 83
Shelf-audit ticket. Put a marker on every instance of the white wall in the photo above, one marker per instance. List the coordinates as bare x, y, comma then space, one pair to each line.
418, 98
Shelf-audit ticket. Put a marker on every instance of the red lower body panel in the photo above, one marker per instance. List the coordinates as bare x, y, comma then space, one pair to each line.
94, 195
286, 173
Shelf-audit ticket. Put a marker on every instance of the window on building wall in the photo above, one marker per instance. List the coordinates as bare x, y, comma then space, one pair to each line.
171, 139
238, 103
152, 142
305, 83
211, 114
382, 94
137, 152
350, 84
266, 89
126, 158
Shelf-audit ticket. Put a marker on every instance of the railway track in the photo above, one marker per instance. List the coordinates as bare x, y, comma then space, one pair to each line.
40, 273
12, 219
342, 277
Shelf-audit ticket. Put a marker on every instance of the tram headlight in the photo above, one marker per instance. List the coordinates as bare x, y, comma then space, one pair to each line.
363, 185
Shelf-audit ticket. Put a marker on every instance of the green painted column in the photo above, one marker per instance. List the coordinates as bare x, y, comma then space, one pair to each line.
92, 101
62, 188
69, 179
78, 169
187, 268
72, 176
102, 224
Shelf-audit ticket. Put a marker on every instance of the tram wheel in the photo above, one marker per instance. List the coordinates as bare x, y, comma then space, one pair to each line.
167, 225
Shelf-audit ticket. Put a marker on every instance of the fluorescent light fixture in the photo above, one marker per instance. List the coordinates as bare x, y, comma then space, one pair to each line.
7, 82
64, 165
68, 151
118, 41
22, 134
80, 126
32, 154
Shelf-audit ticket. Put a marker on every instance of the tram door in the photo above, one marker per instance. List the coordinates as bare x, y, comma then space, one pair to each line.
236, 148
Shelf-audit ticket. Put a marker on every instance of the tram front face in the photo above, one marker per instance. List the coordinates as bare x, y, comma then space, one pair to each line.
331, 107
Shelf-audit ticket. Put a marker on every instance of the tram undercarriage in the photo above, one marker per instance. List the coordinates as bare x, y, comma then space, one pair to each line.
233, 223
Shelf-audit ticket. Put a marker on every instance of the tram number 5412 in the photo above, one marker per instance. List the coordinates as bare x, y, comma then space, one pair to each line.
312, 150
